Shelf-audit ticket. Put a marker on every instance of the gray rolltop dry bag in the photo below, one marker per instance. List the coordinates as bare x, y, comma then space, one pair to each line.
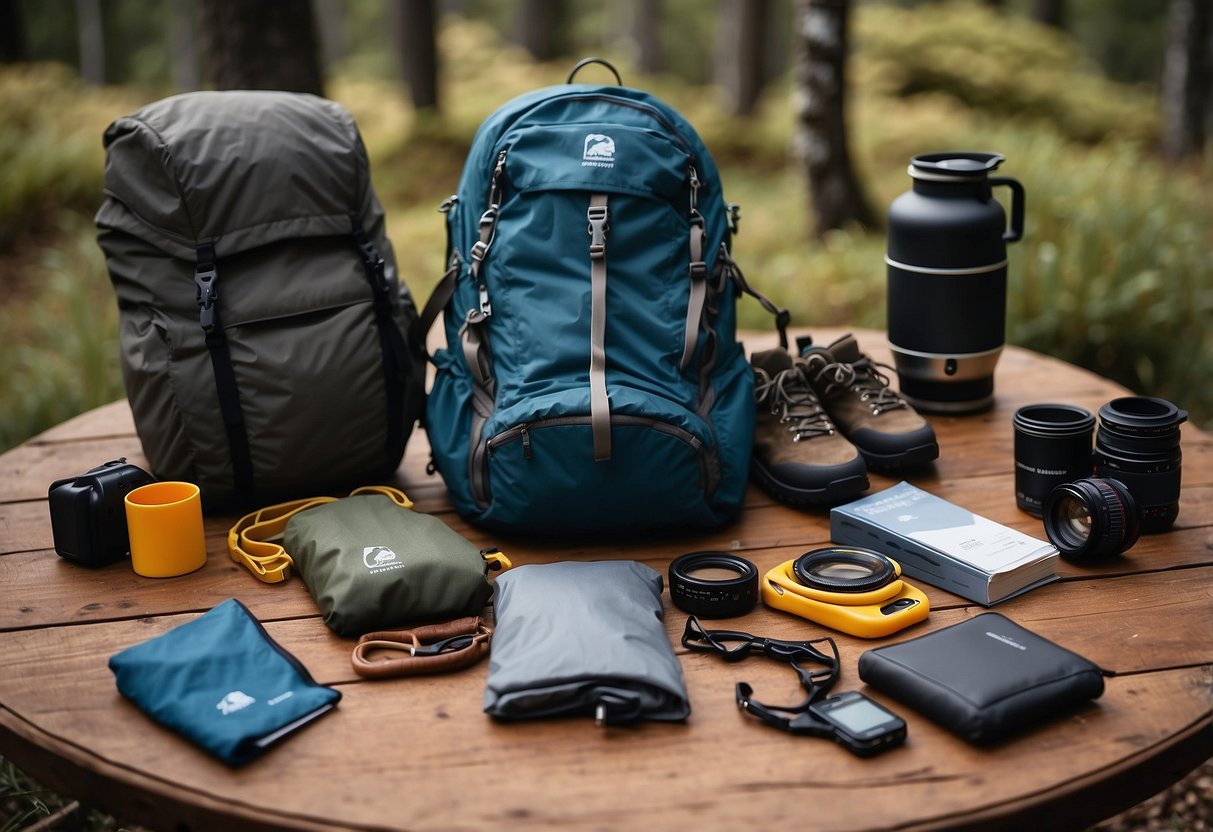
583, 639
262, 323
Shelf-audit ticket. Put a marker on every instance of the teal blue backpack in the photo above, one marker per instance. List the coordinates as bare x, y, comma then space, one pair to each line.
592, 380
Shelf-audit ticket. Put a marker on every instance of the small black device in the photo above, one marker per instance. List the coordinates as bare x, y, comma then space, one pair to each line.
860, 725
710, 597
88, 513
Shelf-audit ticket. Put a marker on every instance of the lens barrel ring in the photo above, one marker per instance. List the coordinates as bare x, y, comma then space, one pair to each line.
1114, 522
808, 569
710, 598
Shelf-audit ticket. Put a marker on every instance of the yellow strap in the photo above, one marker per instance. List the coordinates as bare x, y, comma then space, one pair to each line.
251, 542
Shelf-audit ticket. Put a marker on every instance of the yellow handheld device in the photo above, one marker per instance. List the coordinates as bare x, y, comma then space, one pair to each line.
846, 588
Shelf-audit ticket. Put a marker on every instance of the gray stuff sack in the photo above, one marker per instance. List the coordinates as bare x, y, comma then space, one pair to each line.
262, 322
578, 639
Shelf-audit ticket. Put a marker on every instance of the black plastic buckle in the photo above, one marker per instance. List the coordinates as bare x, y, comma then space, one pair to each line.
205, 276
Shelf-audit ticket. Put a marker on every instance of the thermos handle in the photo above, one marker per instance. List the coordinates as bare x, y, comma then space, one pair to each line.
1015, 232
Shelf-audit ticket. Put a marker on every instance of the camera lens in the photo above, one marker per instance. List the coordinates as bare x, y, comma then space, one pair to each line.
1137, 442
843, 569
1052, 446
1091, 518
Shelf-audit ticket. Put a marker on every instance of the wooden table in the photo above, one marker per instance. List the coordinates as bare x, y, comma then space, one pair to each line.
420, 754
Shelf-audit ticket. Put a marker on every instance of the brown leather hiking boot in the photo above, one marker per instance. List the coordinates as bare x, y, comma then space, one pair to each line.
888, 432
799, 457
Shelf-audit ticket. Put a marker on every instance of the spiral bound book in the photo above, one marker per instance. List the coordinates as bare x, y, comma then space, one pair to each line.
944, 545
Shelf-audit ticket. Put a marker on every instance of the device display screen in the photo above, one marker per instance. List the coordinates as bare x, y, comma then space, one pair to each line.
859, 716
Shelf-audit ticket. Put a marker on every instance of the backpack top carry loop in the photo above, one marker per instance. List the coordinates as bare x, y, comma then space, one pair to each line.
587, 61
252, 541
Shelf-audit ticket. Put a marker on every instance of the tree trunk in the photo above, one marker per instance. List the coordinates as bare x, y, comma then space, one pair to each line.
1050, 12
183, 46
92, 41
330, 21
416, 34
646, 35
12, 33
542, 26
1187, 78
267, 45
741, 53
819, 106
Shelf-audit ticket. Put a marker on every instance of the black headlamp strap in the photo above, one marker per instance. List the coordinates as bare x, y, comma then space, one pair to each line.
801, 656
799, 721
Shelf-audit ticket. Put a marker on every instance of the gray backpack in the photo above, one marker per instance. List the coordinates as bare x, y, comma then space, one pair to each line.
262, 324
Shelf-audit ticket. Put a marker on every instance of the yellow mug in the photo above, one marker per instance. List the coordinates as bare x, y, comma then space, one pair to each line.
164, 521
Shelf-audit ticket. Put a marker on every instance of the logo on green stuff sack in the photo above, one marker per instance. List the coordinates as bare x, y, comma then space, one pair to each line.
380, 559
599, 151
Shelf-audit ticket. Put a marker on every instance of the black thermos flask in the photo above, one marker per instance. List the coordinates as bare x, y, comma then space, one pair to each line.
947, 272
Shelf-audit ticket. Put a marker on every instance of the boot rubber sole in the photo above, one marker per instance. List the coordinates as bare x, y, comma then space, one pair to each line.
832, 492
908, 458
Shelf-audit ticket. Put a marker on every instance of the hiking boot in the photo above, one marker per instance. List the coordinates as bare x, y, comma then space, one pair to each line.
888, 432
799, 457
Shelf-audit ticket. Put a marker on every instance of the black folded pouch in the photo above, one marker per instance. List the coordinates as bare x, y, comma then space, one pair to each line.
984, 678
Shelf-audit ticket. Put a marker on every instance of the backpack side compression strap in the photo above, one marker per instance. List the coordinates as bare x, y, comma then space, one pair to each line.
206, 276
391, 342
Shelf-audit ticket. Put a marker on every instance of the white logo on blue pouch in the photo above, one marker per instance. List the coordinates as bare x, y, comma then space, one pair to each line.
237, 700
598, 151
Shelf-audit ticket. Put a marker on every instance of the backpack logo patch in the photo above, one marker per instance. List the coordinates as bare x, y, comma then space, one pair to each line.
380, 559
237, 700
598, 151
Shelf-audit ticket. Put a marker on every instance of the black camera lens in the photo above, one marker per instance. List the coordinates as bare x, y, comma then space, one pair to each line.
844, 569
1052, 446
1137, 442
1091, 518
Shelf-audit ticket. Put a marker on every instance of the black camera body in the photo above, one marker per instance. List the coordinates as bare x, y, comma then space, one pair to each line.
88, 513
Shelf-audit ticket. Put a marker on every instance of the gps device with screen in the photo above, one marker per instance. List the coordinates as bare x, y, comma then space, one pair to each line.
859, 724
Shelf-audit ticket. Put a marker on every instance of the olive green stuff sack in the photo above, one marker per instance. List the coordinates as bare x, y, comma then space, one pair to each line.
370, 564
368, 559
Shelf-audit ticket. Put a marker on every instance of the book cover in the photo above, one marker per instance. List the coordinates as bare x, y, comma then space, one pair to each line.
944, 544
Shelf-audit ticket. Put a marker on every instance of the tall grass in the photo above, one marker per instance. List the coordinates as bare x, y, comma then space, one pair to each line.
1115, 272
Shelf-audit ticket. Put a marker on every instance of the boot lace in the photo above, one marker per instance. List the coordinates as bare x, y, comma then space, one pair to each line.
792, 399
862, 378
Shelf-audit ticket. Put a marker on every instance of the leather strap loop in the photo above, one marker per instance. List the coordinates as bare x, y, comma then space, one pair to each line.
410, 656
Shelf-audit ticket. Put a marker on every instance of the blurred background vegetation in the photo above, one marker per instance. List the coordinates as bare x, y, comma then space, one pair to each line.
1115, 272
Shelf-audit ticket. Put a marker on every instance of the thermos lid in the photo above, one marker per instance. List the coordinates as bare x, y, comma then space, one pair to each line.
952, 164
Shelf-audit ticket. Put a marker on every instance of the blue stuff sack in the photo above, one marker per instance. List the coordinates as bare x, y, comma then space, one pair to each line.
223, 683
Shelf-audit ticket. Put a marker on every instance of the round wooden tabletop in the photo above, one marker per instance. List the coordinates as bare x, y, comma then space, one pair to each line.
420, 753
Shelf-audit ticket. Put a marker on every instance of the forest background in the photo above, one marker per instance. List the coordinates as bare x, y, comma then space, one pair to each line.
1115, 272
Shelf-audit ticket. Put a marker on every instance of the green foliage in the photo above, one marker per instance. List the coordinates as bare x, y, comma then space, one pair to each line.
22, 801
50, 147
60, 356
999, 64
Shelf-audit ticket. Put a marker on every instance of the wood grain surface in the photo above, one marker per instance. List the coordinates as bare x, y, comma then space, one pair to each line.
421, 754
